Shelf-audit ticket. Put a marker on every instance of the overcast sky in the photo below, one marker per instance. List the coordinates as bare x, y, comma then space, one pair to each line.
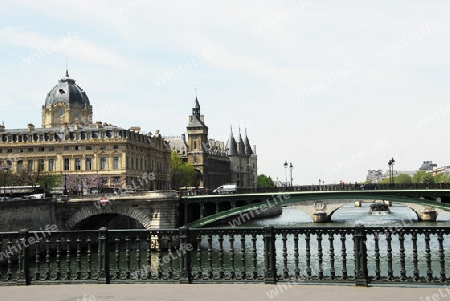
334, 87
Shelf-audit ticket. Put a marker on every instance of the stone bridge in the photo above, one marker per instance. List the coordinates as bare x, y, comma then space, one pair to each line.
320, 205
153, 211
322, 210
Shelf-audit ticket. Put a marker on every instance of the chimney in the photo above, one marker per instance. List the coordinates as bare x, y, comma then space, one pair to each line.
30, 127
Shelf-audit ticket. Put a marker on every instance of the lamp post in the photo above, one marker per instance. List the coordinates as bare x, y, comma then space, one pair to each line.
285, 174
291, 167
391, 171
65, 184
319, 184
5, 171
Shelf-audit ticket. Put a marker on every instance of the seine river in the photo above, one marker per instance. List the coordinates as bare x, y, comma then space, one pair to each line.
349, 216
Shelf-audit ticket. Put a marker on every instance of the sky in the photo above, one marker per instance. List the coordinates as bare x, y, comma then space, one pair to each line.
336, 88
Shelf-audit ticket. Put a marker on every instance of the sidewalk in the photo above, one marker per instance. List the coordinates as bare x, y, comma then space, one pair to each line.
217, 292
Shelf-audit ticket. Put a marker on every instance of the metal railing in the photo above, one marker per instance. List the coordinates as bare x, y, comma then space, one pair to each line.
351, 255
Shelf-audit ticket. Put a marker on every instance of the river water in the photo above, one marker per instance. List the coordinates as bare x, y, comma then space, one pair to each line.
350, 216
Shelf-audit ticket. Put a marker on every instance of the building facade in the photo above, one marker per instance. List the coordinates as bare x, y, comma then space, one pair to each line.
216, 163
70, 144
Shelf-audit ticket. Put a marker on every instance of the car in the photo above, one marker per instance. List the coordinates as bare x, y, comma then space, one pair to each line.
368, 186
225, 189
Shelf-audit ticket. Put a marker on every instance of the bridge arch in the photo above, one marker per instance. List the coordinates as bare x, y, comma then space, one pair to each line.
418, 200
90, 211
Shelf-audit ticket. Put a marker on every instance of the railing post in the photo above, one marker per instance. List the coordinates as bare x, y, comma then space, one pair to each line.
361, 270
24, 270
103, 256
185, 260
270, 276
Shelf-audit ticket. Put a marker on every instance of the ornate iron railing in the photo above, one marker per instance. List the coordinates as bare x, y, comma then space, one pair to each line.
351, 255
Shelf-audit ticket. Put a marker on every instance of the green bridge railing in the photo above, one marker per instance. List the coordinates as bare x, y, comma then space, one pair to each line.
357, 255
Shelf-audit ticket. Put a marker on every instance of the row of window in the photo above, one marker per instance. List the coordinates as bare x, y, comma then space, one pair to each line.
66, 135
67, 164
52, 148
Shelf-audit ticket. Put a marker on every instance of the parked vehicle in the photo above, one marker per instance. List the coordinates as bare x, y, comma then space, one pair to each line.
226, 189
369, 186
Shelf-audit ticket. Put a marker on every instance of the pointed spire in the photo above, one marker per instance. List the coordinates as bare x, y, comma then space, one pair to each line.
196, 109
231, 146
67, 72
248, 148
241, 144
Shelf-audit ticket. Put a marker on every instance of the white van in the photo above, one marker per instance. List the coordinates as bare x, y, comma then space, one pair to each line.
225, 189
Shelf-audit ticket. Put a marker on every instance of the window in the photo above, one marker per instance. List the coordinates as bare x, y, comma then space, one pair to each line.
102, 147
77, 164
19, 165
116, 134
102, 135
41, 137
20, 150
51, 164
103, 163
66, 164
88, 163
50, 137
51, 148
116, 146
116, 163
66, 148
88, 135
30, 165
9, 139
77, 136
195, 144
9, 150
30, 149
41, 164
41, 149
77, 147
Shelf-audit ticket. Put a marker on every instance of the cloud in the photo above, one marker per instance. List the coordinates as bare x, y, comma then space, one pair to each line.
71, 44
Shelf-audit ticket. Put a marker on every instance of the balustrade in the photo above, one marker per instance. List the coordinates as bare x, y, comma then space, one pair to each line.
353, 255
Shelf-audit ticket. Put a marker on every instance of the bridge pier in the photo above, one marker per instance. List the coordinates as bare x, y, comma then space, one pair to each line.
320, 217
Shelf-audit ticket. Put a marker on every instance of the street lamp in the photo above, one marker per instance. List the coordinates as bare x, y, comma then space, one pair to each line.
291, 167
319, 184
285, 174
65, 184
391, 171
5, 171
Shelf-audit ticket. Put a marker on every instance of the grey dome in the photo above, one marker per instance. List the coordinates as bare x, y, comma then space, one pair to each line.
67, 91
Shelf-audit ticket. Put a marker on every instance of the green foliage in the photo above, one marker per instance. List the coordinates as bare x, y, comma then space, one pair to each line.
181, 173
442, 178
422, 177
48, 181
402, 179
265, 181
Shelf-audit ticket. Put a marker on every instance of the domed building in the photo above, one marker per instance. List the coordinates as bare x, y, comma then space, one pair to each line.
66, 103
89, 156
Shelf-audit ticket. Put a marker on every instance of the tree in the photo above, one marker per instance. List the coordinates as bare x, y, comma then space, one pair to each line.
49, 181
265, 181
402, 179
181, 173
421, 177
442, 178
